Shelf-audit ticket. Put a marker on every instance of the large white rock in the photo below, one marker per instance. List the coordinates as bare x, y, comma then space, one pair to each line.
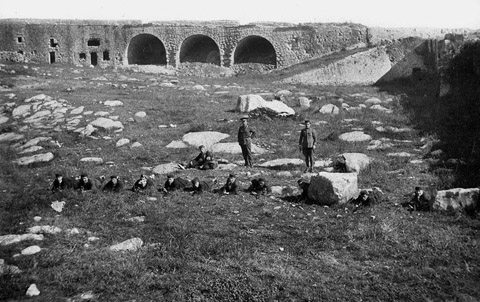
10, 136
166, 168
141, 114
283, 93
38, 97
11, 239
113, 103
32, 291
127, 245
44, 229
21, 110
282, 162
234, 148
106, 123
3, 119
206, 138
37, 158
304, 102
355, 136
122, 142
457, 199
31, 250
77, 110
250, 102
373, 101
331, 188
356, 161
329, 109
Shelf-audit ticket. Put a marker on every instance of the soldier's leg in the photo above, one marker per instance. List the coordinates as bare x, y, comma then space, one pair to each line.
249, 154
244, 154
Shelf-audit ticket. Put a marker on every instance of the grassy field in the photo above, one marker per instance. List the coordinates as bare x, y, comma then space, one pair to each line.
229, 248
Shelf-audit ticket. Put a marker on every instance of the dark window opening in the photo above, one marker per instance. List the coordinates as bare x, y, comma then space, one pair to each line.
93, 58
83, 56
93, 42
20, 39
53, 43
52, 57
106, 55
20, 52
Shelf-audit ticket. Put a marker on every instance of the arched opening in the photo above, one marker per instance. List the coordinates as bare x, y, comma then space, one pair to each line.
200, 48
146, 49
255, 49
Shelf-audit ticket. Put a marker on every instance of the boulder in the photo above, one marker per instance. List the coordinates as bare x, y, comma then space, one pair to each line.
38, 97
32, 291
329, 109
356, 162
304, 102
283, 93
457, 199
11, 239
3, 119
198, 87
37, 158
355, 136
106, 123
166, 168
31, 250
141, 114
113, 103
127, 245
206, 138
136, 145
122, 142
250, 102
77, 110
332, 188
21, 110
373, 101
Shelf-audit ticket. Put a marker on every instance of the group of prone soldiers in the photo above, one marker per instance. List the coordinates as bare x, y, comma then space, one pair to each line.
257, 187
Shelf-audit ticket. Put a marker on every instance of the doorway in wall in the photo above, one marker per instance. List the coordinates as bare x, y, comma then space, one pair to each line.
52, 57
93, 58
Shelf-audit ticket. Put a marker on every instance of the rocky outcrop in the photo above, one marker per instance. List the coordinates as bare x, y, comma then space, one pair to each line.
457, 199
332, 188
250, 102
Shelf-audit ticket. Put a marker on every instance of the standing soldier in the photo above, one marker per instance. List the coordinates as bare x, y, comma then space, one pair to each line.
245, 135
308, 138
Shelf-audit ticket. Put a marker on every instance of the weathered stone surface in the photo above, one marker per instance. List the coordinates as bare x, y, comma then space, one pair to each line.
10, 136
284, 174
3, 119
206, 138
31, 250
11, 239
102, 113
136, 145
21, 110
96, 160
38, 116
379, 145
304, 102
234, 148
37, 158
356, 161
32, 291
44, 229
87, 131
457, 199
226, 167
355, 136
400, 154
381, 108
373, 101
106, 123
136, 219
282, 162
128, 245
177, 145
77, 110
329, 109
141, 114
35, 141
198, 87
31, 149
122, 142
58, 205
331, 188
166, 168
38, 97
113, 103
250, 102
8, 269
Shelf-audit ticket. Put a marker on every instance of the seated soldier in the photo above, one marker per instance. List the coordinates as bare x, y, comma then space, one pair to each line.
230, 186
60, 184
142, 184
304, 184
420, 201
259, 187
340, 164
85, 184
114, 185
198, 187
364, 199
173, 184
203, 161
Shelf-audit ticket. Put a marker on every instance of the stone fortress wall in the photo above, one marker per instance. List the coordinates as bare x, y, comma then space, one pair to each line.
224, 43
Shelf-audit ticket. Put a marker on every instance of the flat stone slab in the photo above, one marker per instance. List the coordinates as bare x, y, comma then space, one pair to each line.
282, 162
31, 149
122, 142
400, 154
44, 229
355, 136
35, 141
77, 110
106, 123
11, 239
37, 158
127, 245
31, 250
227, 167
329, 109
166, 168
10, 136
96, 160
206, 138
113, 103
177, 145
234, 148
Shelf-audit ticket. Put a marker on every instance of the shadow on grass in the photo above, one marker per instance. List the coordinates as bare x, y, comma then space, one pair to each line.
452, 118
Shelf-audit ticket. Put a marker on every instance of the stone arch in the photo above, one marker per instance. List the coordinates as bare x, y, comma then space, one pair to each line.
146, 49
255, 49
199, 48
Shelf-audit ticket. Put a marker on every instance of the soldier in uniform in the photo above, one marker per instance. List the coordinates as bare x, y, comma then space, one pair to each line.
114, 185
85, 183
306, 144
230, 186
174, 184
420, 201
259, 187
198, 187
245, 135
142, 184
60, 184
203, 161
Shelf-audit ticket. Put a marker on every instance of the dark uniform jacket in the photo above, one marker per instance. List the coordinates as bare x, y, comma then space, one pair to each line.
308, 138
138, 186
177, 184
230, 187
202, 187
113, 187
245, 135
258, 188
89, 185
60, 186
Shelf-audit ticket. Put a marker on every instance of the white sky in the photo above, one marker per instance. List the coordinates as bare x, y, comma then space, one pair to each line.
385, 13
